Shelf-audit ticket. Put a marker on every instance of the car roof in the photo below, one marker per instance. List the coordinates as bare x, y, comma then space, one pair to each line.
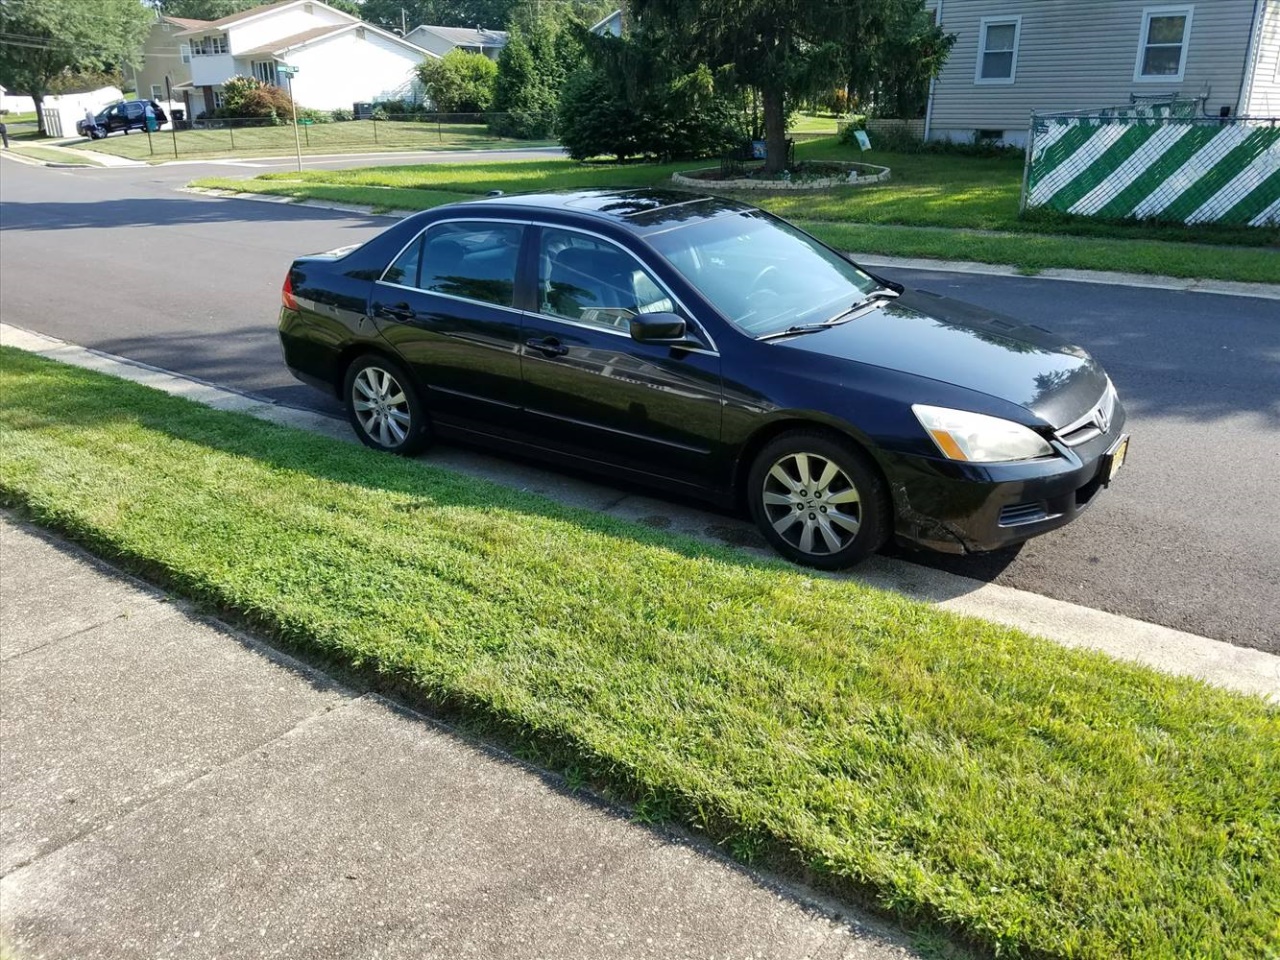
640, 211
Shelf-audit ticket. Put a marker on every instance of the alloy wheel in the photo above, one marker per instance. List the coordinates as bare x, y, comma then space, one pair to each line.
381, 406
812, 503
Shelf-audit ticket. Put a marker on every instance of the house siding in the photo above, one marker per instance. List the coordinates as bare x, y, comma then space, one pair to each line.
161, 57
373, 69
1264, 88
1081, 54
258, 31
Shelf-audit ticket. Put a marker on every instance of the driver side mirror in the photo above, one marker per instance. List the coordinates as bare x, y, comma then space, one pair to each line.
657, 328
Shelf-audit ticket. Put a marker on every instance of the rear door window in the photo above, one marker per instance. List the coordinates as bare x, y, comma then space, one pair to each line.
474, 260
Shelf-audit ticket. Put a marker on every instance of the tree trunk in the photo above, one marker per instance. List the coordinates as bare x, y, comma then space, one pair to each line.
775, 129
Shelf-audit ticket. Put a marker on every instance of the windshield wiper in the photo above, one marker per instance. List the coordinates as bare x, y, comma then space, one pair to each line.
795, 331
884, 293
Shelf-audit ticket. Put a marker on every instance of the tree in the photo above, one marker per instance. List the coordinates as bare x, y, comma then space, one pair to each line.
525, 96
895, 49
459, 82
492, 14
787, 49
217, 9
40, 42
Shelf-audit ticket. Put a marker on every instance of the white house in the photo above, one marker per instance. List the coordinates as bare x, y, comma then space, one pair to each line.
440, 40
340, 59
1012, 57
611, 25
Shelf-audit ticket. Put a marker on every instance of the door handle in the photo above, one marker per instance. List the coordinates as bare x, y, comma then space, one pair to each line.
548, 346
399, 311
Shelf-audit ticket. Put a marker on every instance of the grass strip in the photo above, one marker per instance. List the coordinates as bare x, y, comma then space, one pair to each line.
1028, 252
52, 156
1036, 800
1032, 253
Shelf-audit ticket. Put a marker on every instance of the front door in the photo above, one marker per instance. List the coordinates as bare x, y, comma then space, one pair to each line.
447, 306
592, 391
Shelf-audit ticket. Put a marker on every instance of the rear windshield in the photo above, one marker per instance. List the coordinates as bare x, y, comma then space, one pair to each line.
762, 274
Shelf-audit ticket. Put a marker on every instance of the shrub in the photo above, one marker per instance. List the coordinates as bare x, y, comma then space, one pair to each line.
249, 98
633, 102
341, 114
460, 82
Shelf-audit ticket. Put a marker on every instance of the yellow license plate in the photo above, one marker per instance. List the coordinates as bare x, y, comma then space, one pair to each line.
1117, 459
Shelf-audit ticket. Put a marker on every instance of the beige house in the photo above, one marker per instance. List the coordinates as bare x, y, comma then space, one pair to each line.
165, 57
1013, 57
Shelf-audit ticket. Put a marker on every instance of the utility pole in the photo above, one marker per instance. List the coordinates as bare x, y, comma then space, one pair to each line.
289, 73
404, 27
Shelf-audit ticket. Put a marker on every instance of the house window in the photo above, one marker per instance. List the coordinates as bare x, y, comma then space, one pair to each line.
218, 100
185, 50
209, 46
265, 70
998, 49
1162, 52
157, 92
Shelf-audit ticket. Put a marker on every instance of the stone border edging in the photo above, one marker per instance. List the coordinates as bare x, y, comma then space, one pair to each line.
824, 183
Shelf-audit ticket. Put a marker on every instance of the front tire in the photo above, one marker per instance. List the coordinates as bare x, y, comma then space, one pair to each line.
818, 500
384, 407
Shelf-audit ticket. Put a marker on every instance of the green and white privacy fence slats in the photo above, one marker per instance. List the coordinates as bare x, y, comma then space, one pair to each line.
1191, 171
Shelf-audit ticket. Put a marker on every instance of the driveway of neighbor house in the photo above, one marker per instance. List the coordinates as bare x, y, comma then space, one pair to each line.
175, 788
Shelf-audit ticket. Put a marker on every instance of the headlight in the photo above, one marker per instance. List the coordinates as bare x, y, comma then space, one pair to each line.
977, 438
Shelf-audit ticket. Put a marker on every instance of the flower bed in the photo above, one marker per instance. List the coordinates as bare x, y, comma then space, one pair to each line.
809, 175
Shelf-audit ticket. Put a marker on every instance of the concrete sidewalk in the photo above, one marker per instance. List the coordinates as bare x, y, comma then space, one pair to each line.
173, 788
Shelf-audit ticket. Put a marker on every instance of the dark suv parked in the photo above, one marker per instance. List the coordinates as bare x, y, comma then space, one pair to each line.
126, 116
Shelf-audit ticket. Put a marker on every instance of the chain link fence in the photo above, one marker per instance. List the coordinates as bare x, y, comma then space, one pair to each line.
1155, 162
315, 135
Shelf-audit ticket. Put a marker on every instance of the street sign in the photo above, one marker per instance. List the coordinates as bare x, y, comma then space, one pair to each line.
286, 70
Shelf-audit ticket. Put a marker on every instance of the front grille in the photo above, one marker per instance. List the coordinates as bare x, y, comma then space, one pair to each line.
1020, 513
1091, 425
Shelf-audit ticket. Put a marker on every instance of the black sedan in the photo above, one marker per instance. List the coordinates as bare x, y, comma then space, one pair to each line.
708, 348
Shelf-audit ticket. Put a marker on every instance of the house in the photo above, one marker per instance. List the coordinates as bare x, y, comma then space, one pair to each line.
340, 59
440, 40
165, 72
611, 25
1013, 57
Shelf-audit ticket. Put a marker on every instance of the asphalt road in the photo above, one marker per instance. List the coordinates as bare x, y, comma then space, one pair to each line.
1188, 536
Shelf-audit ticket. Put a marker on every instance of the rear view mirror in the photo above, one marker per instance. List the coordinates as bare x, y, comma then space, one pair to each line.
657, 328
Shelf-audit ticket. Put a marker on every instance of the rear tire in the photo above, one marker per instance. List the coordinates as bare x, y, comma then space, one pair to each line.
384, 407
819, 500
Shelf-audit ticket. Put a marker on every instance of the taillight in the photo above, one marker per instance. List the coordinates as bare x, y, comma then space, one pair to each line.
286, 292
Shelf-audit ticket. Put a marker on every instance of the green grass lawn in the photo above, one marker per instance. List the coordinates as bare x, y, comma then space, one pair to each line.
51, 156
807, 123
353, 136
1035, 800
974, 200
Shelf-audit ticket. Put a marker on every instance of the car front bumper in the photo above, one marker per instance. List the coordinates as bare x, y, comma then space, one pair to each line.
973, 508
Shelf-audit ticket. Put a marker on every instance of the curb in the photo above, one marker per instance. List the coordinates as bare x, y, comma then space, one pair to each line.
1242, 669
1226, 288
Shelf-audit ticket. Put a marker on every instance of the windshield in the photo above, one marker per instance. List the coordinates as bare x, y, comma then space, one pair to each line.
762, 274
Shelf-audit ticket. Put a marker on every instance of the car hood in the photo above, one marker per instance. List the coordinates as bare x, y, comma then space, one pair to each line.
952, 342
